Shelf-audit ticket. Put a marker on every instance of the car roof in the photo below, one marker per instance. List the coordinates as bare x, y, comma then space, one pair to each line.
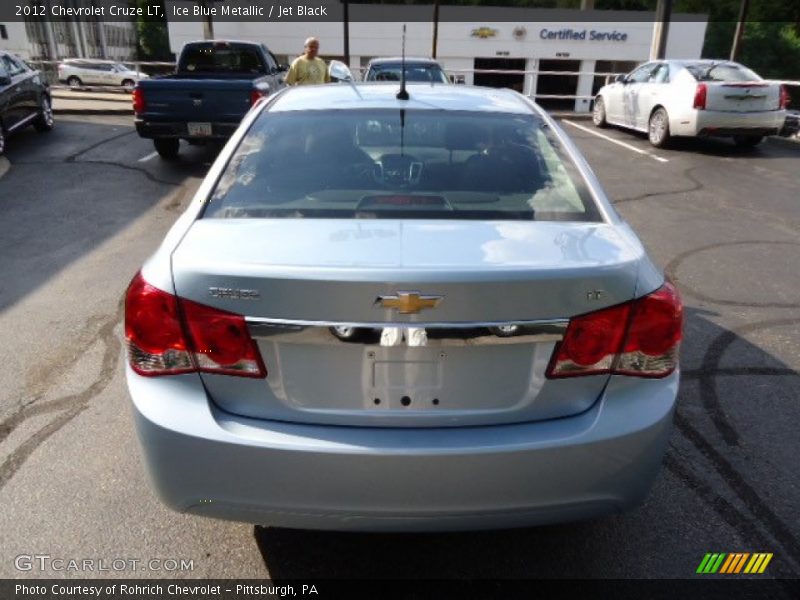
221, 41
423, 96
701, 61
92, 60
399, 59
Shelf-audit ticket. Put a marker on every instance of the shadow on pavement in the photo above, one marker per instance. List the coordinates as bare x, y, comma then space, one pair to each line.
70, 190
726, 485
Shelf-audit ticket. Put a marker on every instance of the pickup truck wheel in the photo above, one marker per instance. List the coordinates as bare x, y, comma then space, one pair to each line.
45, 121
74, 83
167, 148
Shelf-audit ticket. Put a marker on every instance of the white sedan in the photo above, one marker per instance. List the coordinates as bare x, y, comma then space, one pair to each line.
77, 73
693, 98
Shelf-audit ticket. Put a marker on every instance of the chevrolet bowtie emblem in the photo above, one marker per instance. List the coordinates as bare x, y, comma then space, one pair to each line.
408, 303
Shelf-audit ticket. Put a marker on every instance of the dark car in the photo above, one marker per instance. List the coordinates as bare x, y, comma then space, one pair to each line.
417, 69
24, 98
215, 84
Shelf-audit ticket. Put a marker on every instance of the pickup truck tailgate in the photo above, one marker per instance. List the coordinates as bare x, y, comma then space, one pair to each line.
184, 99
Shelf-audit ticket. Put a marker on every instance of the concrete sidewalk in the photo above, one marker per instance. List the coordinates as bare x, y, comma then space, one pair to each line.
70, 102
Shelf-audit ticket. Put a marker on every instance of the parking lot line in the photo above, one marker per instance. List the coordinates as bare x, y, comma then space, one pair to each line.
619, 143
148, 157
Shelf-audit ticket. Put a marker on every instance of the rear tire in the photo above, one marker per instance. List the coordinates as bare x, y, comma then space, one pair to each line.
599, 113
748, 141
74, 82
658, 128
167, 148
45, 121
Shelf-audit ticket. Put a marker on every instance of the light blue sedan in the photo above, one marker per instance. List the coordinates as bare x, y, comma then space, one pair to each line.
401, 314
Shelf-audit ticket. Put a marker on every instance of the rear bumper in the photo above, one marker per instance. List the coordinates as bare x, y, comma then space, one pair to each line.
211, 463
159, 129
718, 123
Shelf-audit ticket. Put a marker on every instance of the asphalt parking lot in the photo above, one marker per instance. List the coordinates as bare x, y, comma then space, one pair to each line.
83, 206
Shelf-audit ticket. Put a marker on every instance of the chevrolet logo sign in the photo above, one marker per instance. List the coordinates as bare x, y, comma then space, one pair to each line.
408, 303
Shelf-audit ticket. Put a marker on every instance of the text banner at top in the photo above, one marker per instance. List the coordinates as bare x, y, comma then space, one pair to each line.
303, 11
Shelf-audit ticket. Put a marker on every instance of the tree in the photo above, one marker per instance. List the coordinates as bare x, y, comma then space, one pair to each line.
152, 33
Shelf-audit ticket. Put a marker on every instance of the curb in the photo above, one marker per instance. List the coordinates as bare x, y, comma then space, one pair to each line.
92, 111
90, 98
89, 91
129, 111
570, 115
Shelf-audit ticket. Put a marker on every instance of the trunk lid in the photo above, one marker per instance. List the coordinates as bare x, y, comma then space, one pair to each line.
740, 96
294, 279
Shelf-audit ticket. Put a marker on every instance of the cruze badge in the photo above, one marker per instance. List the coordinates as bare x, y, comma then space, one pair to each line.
408, 303
237, 294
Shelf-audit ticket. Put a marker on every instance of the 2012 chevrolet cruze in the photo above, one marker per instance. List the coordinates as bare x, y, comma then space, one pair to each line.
381, 313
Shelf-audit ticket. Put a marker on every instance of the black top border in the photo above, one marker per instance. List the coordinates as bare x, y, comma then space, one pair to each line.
311, 11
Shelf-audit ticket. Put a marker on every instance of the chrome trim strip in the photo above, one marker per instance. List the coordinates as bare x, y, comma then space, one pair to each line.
436, 334
22, 122
405, 324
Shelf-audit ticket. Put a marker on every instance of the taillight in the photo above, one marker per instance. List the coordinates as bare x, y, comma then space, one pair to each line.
156, 344
221, 342
654, 334
138, 100
700, 93
638, 338
167, 335
785, 98
256, 95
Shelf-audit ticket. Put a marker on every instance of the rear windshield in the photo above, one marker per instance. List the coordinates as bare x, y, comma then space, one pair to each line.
401, 164
391, 72
220, 58
721, 72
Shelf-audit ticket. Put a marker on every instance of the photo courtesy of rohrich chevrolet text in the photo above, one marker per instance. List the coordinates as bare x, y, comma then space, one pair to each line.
399, 299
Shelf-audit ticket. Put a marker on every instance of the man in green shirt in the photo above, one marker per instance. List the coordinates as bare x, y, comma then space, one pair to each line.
308, 69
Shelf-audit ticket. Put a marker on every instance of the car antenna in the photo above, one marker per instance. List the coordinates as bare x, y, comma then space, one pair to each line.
403, 93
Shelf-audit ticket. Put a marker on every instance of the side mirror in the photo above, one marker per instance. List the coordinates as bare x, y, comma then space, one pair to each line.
339, 71
623, 79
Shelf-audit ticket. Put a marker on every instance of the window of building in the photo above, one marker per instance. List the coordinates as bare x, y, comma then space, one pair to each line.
513, 80
3, 32
607, 69
556, 90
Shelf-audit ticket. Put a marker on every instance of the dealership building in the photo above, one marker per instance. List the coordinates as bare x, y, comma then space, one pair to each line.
551, 54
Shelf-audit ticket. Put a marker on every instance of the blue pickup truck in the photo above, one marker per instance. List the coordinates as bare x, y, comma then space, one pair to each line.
215, 84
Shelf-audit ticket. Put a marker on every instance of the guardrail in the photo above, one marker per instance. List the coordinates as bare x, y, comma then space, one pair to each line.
50, 70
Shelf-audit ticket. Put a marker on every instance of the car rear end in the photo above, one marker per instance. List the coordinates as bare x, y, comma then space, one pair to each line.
214, 87
416, 70
386, 351
191, 108
731, 100
67, 69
